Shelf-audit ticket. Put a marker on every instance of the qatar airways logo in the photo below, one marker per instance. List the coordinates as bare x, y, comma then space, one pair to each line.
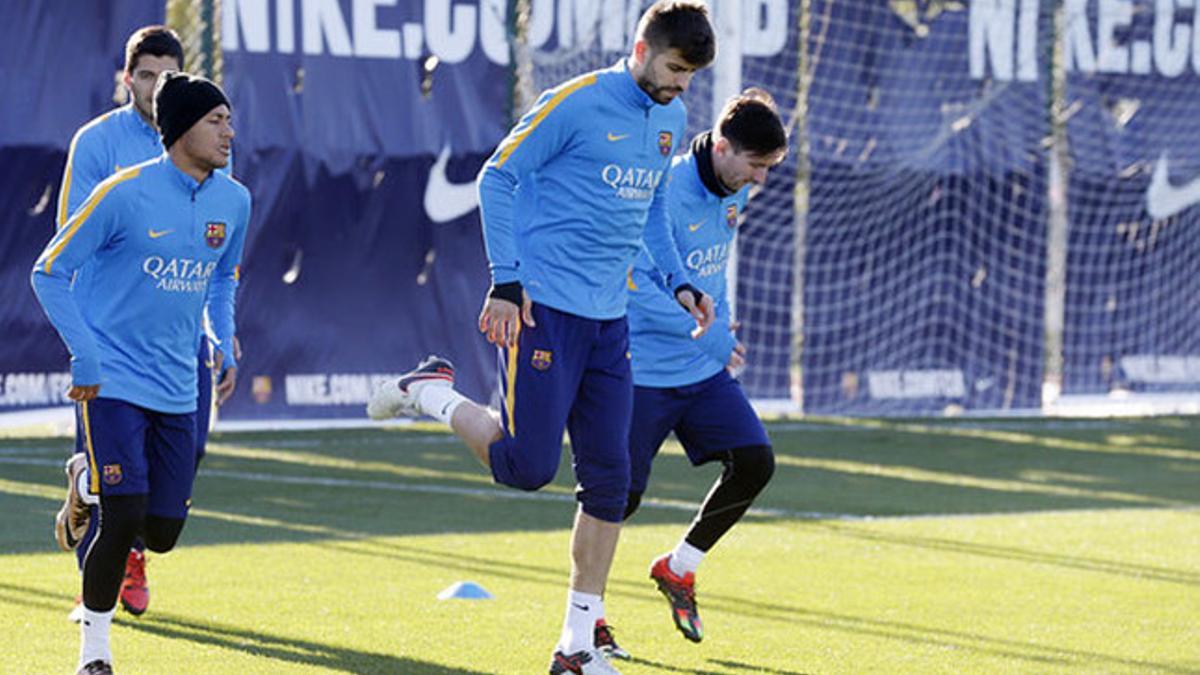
179, 275
631, 182
707, 261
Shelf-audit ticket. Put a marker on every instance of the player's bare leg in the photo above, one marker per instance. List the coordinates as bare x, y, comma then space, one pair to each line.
477, 427
593, 545
428, 389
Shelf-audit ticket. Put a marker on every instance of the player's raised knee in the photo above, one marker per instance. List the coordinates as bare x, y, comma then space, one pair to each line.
530, 477
755, 465
160, 533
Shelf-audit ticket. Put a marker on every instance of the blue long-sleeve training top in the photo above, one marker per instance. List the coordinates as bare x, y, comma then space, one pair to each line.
108, 143
156, 243
663, 351
569, 196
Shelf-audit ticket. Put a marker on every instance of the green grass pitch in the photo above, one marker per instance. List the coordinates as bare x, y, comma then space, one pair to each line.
881, 546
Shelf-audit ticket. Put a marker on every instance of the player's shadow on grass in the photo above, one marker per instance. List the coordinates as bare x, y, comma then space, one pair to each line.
728, 665
283, 649
735, 665
255, 643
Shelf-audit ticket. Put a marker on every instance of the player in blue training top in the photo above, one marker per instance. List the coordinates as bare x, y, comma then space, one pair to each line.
117, 139
160, 240
588, 166
684, 385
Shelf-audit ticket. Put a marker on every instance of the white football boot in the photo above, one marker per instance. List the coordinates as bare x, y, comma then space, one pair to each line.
398, 396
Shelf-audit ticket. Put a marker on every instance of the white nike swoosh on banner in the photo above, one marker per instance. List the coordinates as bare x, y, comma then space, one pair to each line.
1164, 200
446, 201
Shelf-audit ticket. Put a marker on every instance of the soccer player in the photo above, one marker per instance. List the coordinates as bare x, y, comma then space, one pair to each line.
155, 241
121, 138
685, 385
587, 167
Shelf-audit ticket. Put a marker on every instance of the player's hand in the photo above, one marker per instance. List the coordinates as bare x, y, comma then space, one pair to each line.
699, 304
737, 360
219, 356
85, 392
500, 320
226, 384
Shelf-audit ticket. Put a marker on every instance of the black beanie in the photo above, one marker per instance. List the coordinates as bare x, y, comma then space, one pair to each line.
180, 100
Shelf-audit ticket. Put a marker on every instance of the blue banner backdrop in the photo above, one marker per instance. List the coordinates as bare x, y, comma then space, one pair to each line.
58, 59
360, 137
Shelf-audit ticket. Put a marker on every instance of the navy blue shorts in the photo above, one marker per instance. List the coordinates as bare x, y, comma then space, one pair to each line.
571, 373
135, 451
204, 394
709, 418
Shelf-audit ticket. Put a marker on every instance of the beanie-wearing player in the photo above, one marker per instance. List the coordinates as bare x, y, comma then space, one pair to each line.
118, 139
158, 240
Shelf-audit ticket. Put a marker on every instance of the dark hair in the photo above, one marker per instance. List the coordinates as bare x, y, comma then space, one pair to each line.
752, 124
155, 41
681, 25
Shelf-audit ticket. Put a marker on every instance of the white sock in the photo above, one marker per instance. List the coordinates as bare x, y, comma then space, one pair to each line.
94, 629
579, 625
685, 558
81, 485
439, 402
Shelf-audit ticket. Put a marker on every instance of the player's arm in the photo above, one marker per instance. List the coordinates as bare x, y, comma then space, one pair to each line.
75, 243
660, 244
719, 342
539, 136
222, 303
86, 167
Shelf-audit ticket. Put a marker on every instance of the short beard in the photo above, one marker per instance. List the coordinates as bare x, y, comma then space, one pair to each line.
655, 92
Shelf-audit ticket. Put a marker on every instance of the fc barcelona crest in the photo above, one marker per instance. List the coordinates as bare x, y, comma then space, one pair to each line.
112, 474
214, 234
731, 215
665, 143
541, 359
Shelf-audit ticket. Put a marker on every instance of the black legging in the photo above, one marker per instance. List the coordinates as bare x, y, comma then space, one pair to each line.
747, 472
121, 519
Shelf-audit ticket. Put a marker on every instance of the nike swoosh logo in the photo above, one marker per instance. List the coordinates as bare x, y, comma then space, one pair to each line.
581, 607
1164, 200
446, 201
155, 234
617, 137
695, 226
